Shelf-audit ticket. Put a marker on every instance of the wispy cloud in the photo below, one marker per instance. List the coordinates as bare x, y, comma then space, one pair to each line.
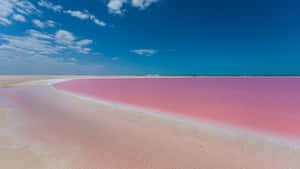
33, 53
116, 6
4, 21
42, 64
97, 21
39, 35
6, 9
29, 44
68, 40
38, 50
142, 4
78, 14
38, 23
35, 42
49, 5
15, 9
50, 23
146, 52
83, 15
64, 37
19, 17
23, 6
84, 42
42, 24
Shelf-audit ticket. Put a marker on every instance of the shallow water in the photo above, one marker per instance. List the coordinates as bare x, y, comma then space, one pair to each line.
263, 104
65, 131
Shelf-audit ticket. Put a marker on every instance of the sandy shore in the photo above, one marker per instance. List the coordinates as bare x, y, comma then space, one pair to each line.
29, 81
53, 129
16, 154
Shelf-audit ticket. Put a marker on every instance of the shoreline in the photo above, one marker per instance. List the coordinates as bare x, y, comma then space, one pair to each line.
7, 81
232, 129
84, 132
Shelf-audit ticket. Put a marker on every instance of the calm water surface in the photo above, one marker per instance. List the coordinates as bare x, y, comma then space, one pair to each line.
263, 104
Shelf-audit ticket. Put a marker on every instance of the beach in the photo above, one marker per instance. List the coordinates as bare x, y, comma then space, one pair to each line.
43, 127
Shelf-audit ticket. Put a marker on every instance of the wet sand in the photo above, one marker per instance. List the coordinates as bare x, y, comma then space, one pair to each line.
16, 153
57, 130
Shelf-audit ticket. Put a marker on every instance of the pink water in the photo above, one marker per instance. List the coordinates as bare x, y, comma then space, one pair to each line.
263, 104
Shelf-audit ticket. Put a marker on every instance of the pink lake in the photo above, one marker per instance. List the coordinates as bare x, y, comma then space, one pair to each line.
269, 105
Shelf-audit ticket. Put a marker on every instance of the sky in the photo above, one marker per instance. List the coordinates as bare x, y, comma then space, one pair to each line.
150, 37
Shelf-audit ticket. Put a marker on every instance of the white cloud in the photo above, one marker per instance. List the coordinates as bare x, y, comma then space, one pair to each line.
38, 23
64, 37
45, 24
25, 7
6, 9
68, 40
30, 44
19, 17
137, 3
36, 42
84, 50
78, 14
50, 23
115, 6
13, 8
84, 42
4, 21
85, 15
49, 5
147, 52
38, 34
142, 4
97, 21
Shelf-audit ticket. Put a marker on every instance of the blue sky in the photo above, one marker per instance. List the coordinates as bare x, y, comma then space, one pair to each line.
147, 37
